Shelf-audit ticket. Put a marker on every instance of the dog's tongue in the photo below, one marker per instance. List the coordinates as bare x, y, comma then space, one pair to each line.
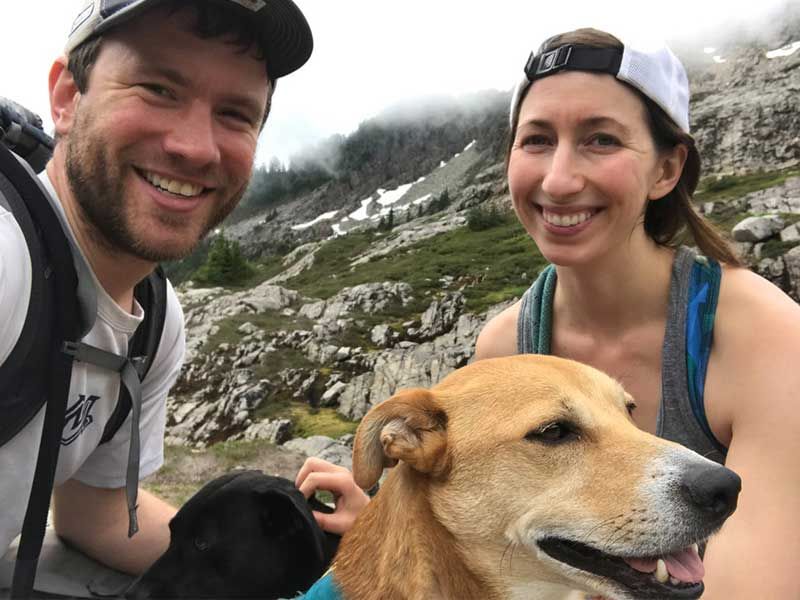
686, 565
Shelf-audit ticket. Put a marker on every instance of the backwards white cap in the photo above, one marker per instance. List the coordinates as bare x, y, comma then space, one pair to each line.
657, 73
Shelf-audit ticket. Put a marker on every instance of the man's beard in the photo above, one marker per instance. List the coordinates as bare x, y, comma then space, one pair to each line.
97, 185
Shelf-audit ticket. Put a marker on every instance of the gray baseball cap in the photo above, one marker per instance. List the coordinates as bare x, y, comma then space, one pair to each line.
286, 35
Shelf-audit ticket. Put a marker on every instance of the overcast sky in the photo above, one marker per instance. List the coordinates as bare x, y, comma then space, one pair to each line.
370, 54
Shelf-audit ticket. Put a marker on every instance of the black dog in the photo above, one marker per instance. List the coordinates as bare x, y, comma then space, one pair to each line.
243, 535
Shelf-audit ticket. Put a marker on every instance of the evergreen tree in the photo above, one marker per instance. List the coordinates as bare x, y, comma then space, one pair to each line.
225, 265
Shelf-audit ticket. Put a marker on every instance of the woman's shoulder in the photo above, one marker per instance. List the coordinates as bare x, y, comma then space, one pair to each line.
757, 323
755, 300
499, 336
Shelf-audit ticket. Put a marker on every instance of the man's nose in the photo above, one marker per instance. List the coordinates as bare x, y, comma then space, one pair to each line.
192, 137
563, 177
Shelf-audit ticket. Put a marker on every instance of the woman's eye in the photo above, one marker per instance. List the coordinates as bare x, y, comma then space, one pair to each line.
603, 139
535, 140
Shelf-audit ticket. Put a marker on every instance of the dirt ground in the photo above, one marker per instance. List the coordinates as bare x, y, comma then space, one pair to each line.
186, 470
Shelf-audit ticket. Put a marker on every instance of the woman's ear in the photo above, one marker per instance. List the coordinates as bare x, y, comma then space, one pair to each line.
670, 167
64, 96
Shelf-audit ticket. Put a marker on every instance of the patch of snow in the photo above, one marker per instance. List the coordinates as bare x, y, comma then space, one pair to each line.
718, 59
337, 229
361, 213
420, 180
709, 50
468, 146
323, 217
786, 50
441, 164
394, 195
422, 199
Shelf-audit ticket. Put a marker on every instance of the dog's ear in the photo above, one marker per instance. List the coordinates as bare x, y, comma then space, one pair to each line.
410, 426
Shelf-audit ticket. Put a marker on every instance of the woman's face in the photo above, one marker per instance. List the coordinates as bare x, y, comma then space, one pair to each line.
583, 165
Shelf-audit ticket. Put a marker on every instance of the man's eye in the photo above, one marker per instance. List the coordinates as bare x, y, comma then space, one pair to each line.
158, 90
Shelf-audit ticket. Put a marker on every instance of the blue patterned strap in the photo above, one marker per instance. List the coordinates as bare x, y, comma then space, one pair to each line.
538, 323
324, 589
703, 296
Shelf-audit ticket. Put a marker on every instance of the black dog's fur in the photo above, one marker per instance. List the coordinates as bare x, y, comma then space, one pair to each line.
243, 535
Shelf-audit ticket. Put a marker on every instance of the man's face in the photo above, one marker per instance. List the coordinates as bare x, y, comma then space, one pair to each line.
162, 144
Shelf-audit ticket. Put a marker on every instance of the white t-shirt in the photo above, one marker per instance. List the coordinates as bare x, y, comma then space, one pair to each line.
93, 391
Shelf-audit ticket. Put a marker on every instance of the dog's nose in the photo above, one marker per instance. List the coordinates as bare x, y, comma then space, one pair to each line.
712, 489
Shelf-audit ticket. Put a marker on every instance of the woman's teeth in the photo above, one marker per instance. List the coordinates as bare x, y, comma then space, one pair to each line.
567, 220
173, 186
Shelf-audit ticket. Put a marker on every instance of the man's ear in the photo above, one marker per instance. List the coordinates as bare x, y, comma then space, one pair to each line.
670, 168
64, 96
409, 426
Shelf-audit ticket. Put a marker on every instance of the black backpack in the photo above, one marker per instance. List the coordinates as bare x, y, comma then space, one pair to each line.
61, 312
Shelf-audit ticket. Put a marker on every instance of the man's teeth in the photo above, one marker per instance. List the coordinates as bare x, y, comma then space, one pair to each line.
567, 220
173, 186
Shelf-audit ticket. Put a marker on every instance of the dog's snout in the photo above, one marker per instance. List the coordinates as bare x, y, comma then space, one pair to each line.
712, 489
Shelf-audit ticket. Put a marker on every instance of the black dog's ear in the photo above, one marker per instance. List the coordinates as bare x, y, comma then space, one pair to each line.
286, 513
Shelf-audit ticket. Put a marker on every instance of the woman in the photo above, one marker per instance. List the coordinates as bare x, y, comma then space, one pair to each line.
601, 168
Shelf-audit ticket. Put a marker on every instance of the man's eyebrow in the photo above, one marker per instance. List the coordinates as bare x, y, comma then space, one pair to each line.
173, 75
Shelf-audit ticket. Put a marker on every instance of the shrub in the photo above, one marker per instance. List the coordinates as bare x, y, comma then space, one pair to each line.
481, 218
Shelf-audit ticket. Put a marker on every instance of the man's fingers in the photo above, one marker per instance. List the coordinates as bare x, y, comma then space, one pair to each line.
334, 522
337, 483
316, 465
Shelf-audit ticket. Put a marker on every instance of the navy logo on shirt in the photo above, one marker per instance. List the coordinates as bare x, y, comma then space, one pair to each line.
78, 419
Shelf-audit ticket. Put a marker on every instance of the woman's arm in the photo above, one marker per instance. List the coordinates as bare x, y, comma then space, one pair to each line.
754, 384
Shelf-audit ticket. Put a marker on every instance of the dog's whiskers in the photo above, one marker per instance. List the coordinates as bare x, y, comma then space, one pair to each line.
510, 549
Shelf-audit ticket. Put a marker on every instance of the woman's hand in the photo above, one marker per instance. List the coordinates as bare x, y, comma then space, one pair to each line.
317, 474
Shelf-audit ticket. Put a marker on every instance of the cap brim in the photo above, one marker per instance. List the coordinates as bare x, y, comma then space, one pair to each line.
285, 33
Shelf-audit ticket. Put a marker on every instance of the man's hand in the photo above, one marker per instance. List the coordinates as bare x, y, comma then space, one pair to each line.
317, 474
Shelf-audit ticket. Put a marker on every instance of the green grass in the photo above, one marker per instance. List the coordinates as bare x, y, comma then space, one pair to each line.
307, 420
268, 321
712, 189
488, 264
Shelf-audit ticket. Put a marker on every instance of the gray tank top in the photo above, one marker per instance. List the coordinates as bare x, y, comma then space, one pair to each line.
676, 420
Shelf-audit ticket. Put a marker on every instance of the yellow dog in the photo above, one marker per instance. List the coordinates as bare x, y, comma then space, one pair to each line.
525, 477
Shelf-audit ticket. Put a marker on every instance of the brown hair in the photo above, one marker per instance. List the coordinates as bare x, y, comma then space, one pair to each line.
665, 219
211, 21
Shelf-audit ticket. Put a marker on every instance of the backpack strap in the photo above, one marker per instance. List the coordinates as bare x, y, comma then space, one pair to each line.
56, 371
151, 293
701, 308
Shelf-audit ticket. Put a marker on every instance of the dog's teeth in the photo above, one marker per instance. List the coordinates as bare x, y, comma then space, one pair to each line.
662, 575
696, 548
674, 581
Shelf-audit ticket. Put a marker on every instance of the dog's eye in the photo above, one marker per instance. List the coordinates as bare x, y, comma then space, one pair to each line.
201, 544
553, 433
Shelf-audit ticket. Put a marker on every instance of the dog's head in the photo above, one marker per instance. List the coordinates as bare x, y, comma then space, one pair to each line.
243, 535
535, 466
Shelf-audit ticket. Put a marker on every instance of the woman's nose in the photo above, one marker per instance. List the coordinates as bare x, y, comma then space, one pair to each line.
563, 177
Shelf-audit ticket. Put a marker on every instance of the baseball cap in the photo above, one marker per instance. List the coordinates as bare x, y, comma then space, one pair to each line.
656, 72
285, 32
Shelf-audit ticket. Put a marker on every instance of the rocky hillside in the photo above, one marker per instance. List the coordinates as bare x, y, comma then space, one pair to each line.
425, 251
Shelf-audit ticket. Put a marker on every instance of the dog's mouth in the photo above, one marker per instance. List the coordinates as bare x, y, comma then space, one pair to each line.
676, 575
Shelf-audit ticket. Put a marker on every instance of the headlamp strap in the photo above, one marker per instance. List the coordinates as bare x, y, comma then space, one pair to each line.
573, 57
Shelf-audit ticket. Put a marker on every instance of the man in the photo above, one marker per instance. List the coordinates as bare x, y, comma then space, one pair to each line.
157, 107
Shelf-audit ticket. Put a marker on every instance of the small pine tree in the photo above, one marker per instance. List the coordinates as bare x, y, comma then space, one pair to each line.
225, 265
